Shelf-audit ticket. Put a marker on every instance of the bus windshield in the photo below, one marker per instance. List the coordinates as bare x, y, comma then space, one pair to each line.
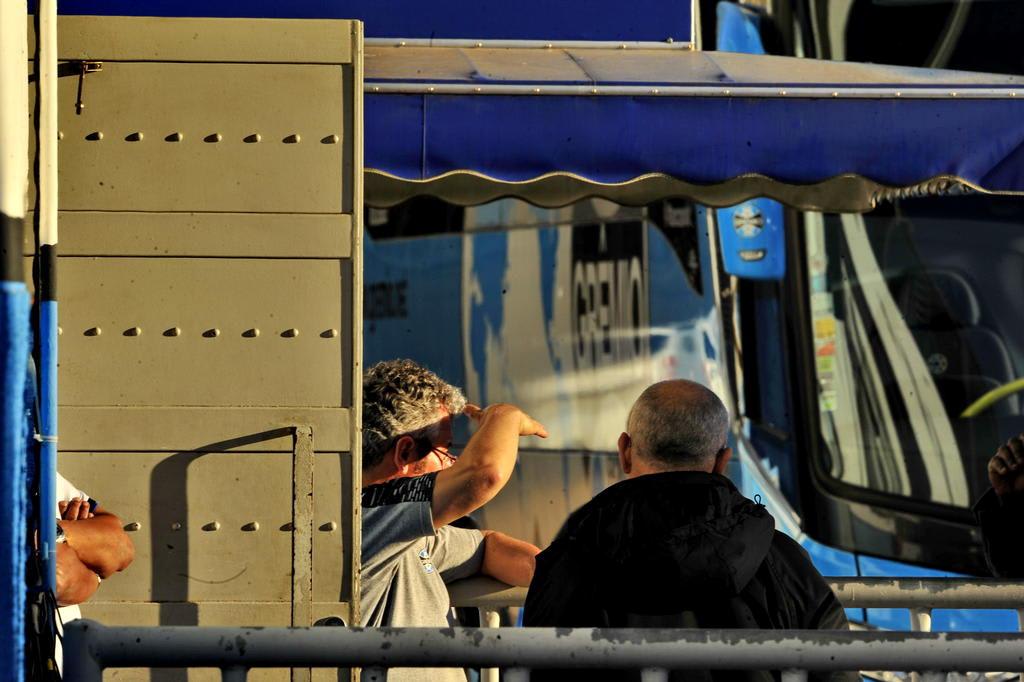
915, 315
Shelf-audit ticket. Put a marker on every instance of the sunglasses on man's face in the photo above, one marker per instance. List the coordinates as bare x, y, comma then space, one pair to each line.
427, 448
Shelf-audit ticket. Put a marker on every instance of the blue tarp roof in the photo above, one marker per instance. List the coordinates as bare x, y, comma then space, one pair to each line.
554, 125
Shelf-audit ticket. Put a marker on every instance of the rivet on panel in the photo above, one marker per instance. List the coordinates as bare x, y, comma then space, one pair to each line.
329, 527
94, 137
251, 333
835, 94
213, 137
255, 137
93, 331
431, 89
60, 134
401, 43
376, 88
479, 44
174, 137
60, 331
133, 526
173, 331
132, 331
331, 139
252, 526
133, 137
212, 525
290, 333
292, 139
175, 526
329, 333
211, 333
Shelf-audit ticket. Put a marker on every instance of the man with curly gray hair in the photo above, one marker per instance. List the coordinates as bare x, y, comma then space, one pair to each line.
414, 487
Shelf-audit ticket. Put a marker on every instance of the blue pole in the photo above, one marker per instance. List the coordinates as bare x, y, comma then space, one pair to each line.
46, 210
48, 447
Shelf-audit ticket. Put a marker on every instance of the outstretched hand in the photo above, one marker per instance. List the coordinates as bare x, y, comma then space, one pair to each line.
1006, 468
528, 426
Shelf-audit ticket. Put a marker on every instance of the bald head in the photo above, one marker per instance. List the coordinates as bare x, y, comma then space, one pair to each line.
678, 424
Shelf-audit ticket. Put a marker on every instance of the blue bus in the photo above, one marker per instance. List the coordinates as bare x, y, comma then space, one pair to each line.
852, 347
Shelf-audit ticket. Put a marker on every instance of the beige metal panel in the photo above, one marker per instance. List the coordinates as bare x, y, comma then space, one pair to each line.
291, 41
331, 527
203, 429
195, 539
214, 303
228, 235
353, 509
210, 614
180, 164
191, 235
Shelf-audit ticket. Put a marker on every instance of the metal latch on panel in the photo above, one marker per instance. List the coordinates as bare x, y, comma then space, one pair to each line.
84, 68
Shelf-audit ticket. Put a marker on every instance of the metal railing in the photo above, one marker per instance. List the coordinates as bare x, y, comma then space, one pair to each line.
919, 595
90, 647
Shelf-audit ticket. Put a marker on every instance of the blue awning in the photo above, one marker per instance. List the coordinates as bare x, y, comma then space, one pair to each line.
634, 125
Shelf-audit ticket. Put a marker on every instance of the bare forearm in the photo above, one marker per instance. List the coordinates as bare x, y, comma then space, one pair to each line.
100, 543
495, 445
483, 468
75, 581
509, 560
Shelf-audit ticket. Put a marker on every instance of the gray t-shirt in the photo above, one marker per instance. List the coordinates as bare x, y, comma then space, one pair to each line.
406, 564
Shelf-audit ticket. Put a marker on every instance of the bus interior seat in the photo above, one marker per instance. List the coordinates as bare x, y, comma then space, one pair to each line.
966, 358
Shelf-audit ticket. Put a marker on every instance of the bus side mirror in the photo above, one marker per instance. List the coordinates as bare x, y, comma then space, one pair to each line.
752, 239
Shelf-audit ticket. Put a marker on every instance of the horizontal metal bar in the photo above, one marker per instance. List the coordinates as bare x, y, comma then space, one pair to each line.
928, 593
854, 593
676, 90
87, 641
667, 44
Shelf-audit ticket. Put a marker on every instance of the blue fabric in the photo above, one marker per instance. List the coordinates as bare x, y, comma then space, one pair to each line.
604, 20
14, 333
703, 140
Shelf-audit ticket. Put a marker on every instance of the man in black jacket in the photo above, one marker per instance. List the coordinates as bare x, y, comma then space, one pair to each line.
1000, 511
676, 544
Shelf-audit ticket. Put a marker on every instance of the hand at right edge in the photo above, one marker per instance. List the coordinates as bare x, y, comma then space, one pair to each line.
1006, 468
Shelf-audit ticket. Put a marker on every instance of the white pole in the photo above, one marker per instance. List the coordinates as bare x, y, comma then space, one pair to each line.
48, 122
13, 111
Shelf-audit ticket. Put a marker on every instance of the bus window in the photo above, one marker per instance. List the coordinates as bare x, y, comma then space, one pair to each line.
914, 314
